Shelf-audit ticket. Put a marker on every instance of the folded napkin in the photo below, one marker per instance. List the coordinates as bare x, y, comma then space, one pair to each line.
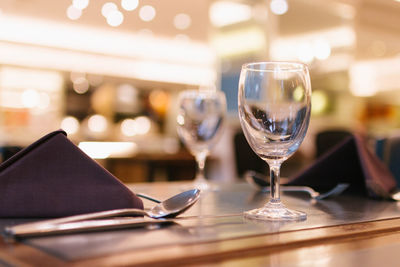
52, 178
349, 162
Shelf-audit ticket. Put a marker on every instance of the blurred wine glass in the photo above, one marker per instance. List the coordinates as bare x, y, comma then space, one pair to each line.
200, 121
274, 110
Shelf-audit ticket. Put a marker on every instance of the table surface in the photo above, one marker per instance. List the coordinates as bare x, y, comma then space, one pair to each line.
346, 230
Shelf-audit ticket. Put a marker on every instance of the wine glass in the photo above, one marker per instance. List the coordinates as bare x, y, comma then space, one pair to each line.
200, 121
274, 101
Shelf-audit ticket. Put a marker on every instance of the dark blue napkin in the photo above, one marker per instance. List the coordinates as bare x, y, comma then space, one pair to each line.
52, 178
349, 162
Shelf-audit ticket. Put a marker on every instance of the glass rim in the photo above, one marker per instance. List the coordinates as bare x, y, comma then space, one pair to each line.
290, 66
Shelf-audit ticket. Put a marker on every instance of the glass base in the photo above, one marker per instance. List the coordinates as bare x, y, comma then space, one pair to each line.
201, 183
205, 186
275, 211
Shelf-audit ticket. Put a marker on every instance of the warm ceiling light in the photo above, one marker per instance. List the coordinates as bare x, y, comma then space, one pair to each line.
41, 44
370, 77
48, 81
305, 52
279, 7
80, 4
223, 13
115, 18
73, 13
147, 13
102, 150
322, 49
129, 5
30, 98
182, 21
246, 40
107, 8
317, 44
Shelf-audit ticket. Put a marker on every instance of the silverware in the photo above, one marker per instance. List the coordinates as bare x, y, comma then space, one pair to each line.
169, 208
260, 182
83, 226
145, 196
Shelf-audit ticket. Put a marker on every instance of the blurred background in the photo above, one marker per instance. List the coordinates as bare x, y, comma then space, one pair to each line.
108, 73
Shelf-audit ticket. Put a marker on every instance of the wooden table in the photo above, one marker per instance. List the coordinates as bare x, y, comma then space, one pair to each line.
344, 231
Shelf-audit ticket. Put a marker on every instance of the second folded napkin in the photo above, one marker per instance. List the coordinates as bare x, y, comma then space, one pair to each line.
53, 177
349, 162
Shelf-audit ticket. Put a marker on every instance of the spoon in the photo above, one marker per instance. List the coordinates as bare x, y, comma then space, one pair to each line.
169, 208
145, 196
259, 181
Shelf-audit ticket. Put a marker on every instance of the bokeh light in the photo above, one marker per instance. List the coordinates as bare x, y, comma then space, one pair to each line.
80, 4
279, 7
70, 125
97, 123
305, 52
138, 126
73, 13
129, 5
159, 101
182, 21
115, 18
147, 13
30, 98
143, 125
322, 49
107, 8
128, 127
298, 93
319, 101
81, 85
180, 119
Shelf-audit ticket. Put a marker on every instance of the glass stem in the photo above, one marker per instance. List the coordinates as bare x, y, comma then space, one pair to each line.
201, 161
274, 180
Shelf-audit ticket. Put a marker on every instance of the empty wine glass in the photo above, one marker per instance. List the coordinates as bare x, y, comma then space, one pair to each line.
274, 101
200, 121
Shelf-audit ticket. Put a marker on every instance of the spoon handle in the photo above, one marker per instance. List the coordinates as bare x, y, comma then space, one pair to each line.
88, 216
145, 196
79, 226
